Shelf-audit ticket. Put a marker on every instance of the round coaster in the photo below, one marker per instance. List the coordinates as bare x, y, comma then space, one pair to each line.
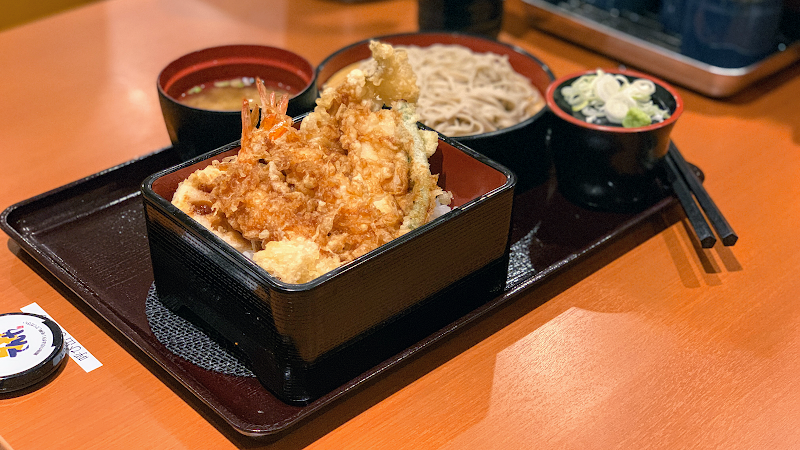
31, 348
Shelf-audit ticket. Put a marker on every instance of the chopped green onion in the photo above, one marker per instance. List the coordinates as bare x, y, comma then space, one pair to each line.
612, 96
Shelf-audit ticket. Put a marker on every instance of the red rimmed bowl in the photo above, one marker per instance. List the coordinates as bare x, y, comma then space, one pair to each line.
609, 167
194, 131
520, 147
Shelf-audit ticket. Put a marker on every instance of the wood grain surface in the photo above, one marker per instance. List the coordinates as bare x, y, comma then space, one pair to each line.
652, 343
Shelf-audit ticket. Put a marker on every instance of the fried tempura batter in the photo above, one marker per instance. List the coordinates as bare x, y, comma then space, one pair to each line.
353, 177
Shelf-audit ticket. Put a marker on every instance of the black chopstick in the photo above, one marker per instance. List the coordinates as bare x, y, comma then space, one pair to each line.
693, 213
721, 226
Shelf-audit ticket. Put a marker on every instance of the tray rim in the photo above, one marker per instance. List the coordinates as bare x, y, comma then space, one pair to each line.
55, 267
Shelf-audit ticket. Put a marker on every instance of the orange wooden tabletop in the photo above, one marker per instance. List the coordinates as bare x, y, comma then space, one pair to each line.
649, 343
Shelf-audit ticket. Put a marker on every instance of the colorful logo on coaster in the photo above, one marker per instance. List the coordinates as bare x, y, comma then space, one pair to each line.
13, 342
31, 347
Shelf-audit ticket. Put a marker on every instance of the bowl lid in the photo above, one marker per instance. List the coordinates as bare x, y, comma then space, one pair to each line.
31, 348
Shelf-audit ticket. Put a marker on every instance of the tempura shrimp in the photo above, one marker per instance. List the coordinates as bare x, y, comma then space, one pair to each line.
351, 178
270, 124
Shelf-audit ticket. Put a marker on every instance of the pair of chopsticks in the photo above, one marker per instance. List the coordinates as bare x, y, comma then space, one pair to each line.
685, 183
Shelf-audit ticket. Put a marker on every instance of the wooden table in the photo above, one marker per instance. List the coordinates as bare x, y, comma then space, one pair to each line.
650, 343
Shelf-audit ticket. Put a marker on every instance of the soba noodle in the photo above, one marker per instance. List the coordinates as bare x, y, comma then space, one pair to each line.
464, 93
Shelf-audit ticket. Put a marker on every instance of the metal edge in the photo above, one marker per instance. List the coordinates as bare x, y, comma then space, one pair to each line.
704, 78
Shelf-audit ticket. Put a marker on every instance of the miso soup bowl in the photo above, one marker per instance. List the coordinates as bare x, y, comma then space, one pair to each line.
519, 147
304, 340
610, 167
194, 131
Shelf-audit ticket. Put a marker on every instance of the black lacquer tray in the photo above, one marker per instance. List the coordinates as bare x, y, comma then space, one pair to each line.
90, 234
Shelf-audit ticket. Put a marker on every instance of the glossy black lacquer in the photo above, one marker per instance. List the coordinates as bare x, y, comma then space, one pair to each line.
302, 340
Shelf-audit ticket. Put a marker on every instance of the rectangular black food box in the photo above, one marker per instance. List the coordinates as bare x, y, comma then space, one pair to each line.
303, 340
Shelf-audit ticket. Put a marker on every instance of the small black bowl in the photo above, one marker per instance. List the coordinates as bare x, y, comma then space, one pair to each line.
194, 131
520, 147
608, 167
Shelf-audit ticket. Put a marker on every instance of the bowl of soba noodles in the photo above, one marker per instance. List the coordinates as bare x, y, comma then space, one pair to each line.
202, 93
485, 94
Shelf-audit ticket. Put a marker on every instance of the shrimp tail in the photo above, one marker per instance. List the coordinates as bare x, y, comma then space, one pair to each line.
273, 112
247, 121
260, 127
